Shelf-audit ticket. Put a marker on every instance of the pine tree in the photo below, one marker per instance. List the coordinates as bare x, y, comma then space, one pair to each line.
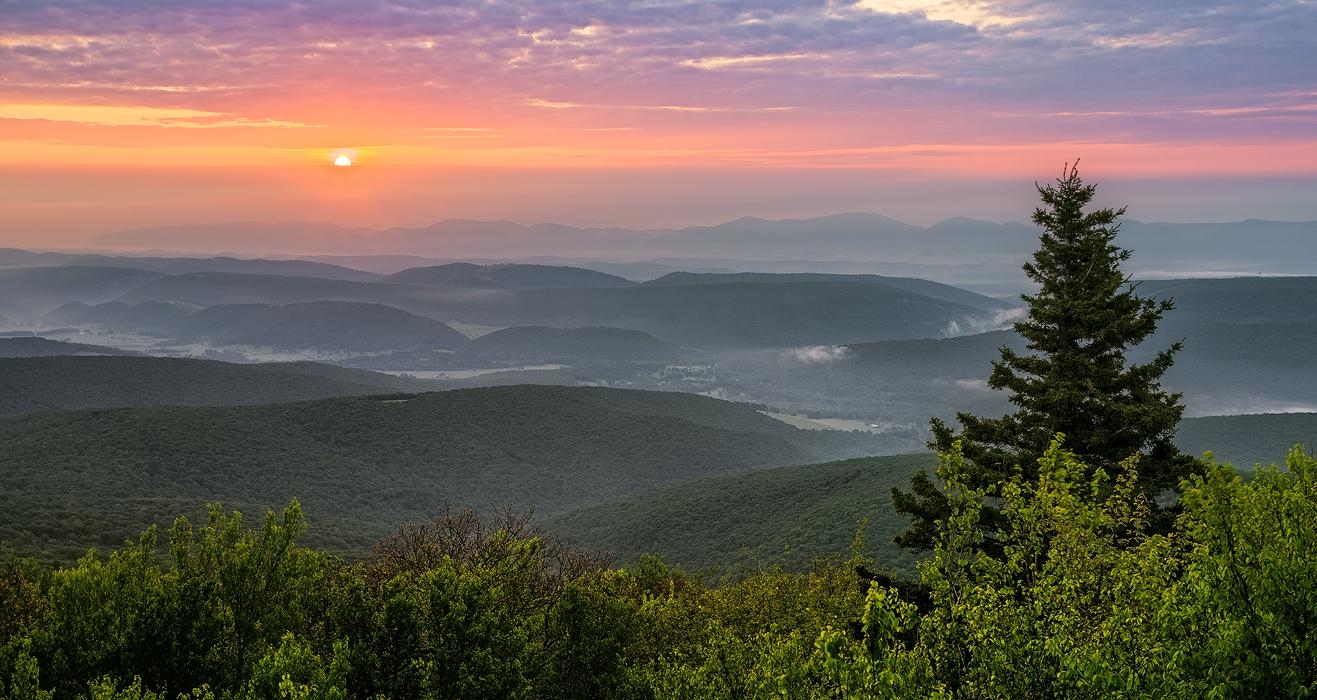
1074, 378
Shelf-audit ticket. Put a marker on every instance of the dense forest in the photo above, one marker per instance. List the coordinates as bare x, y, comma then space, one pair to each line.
78, 479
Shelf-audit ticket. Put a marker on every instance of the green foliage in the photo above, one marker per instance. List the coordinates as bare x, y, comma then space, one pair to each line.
880, 664
1074, 377
1083, 603
108, 689
294, 671
20, 672
1080, 602
1252, 576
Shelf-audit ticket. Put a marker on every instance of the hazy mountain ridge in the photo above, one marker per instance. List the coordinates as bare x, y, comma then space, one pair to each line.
44, 288
1242, 245
507, 276
337, 325
772, 311
176, 265
592, 343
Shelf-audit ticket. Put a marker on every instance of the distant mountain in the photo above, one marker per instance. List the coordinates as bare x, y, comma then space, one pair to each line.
742, 315
13, 257
328, 325
1228, 365
10, 257
509, 276
1244, 246
764, 313
41, 289
322, 325
934, 290
837, 237
214, 288
1238, 299
44, 347
156, 317
544, 344
1288, 247
182, 266
360, 466
73, 382
255, 237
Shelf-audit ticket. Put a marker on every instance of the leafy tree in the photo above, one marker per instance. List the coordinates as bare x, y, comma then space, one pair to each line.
1074, 378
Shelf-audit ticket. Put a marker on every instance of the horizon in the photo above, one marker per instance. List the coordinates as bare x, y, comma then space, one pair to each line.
89, 246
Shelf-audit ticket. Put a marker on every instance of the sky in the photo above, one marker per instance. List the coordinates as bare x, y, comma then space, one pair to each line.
658, 113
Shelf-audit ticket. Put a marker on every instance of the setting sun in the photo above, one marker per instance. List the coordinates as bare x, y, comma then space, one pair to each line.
342, 161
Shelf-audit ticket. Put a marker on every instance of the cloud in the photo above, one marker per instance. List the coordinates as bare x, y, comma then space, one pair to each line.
971, 325
110, 115
875, 73
972, 384
818, 354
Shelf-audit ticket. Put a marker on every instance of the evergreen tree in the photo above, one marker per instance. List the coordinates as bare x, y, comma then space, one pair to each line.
1074, 379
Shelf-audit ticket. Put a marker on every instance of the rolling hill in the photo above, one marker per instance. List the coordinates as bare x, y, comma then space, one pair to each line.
508, 276
792, 514
740, 314
360, 466
10, 257
183, 266
1247, 440
544, 344
1238, 299
76, 382
787, 516
41, 289
156, 317
216, 288
45, 347
327, 325
710, 315
935, 290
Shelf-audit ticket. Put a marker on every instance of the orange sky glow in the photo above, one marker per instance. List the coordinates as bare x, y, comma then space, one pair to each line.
641, 114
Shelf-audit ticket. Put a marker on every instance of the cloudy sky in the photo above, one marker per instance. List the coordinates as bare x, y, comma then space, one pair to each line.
654, 113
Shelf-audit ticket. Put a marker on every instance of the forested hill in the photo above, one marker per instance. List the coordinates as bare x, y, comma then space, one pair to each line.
45, 347
934, 290
363, 465
791, 515
788, 515
73, 382
571, 344
507, 276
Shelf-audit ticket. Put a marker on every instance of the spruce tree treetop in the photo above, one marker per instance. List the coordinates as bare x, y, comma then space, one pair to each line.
1074, 377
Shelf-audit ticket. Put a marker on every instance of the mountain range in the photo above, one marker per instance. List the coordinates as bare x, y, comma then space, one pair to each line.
1243, 246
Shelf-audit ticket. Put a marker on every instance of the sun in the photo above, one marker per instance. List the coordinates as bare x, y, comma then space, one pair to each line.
342, 161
